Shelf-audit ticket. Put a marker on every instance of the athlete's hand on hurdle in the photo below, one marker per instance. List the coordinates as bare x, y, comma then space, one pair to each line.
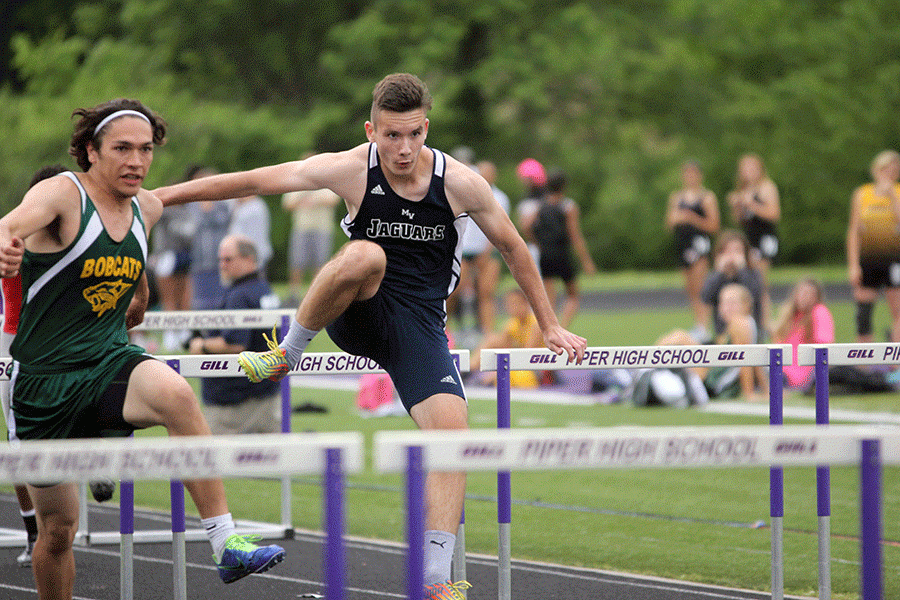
560, 340
11, 253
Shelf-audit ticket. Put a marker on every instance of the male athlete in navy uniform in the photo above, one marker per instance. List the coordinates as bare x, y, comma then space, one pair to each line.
382, 295
80, 242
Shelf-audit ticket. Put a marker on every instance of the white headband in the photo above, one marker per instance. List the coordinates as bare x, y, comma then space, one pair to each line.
121, 113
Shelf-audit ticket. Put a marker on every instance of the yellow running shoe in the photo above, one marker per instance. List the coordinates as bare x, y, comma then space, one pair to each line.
446, 590
265, 365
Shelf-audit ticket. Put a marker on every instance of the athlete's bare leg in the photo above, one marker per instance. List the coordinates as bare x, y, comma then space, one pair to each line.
52, 559
444, 491
353, 274
157, 395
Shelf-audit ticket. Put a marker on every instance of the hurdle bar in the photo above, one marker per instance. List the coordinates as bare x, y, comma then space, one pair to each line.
657, 447
197, 457
637, 357
226, 365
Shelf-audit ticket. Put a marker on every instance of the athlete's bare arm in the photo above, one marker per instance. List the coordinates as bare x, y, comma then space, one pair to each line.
468, 192
344, 173
151, 208
55, 201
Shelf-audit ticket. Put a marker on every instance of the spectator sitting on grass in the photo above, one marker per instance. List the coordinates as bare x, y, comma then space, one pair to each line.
734, 308
520, 331
803, 319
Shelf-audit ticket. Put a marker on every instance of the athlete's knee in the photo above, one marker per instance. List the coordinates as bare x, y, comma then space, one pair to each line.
363, 259
58, 533
864, 318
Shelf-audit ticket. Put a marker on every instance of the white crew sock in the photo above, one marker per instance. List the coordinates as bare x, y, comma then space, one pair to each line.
439, 546
295, 342
218, 530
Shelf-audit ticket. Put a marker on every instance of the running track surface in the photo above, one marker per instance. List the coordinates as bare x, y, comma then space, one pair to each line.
374, 571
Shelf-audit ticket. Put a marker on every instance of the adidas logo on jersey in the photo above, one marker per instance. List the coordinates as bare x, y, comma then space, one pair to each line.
377, 190
448, 379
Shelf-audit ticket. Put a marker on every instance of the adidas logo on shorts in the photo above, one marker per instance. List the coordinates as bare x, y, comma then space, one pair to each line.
448, 379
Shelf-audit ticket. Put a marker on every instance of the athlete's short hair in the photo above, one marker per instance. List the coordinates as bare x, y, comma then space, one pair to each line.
400, 92
86, 128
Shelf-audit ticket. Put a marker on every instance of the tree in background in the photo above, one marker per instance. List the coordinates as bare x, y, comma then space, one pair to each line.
616, 93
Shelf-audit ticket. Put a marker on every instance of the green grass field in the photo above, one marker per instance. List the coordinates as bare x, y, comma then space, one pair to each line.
685, 524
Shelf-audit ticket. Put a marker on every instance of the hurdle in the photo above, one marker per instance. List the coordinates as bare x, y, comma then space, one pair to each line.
638, 357
653, 447
220, 365
199, 457
821, 356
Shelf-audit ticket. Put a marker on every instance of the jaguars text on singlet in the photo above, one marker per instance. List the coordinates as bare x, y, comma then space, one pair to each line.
421, 239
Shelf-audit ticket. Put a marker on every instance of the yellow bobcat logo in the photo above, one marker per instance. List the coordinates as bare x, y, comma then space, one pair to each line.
105, 295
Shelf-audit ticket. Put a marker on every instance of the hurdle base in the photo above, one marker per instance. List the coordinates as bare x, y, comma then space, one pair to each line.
266, 531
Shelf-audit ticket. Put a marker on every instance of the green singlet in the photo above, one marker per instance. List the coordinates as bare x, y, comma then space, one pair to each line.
72, 340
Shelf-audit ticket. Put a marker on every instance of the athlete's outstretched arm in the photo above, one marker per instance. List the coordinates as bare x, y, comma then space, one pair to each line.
469, 192
334, 171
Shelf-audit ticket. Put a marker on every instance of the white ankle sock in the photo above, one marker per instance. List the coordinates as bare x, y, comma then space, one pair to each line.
218, 530
439, 546
295, 342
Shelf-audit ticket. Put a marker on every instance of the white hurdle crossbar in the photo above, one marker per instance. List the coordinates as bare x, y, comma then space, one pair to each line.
649, 447
179, 458
637, 357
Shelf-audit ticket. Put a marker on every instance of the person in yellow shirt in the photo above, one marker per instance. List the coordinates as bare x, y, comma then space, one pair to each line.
520, 331
873, 244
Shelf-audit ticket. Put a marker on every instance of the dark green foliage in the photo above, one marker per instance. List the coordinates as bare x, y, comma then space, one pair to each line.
616, 93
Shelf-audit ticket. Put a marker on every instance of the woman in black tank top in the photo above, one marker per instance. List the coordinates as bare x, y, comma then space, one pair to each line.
693, 217
756, 207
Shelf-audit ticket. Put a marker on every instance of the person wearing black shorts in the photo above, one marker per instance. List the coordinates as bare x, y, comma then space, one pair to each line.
756, 207
383, 293
873, 244
693, 217
557, 230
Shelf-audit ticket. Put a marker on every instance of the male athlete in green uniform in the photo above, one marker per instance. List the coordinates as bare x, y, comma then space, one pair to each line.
81, 244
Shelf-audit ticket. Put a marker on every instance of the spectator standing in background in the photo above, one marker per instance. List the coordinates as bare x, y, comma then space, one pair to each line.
211, 221
557, 230
173, 238
756, 207
250, 217
234, 405
488, 262
693, 216
533, 177
312, 233
873, 244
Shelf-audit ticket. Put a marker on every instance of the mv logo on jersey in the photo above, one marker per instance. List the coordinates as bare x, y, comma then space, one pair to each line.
407, 213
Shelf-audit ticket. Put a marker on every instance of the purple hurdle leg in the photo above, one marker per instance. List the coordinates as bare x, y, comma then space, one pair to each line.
504, 486
823, 479
776, 475
126, 530
415, 523
286, 492
179, 558
870, 520
335, 563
